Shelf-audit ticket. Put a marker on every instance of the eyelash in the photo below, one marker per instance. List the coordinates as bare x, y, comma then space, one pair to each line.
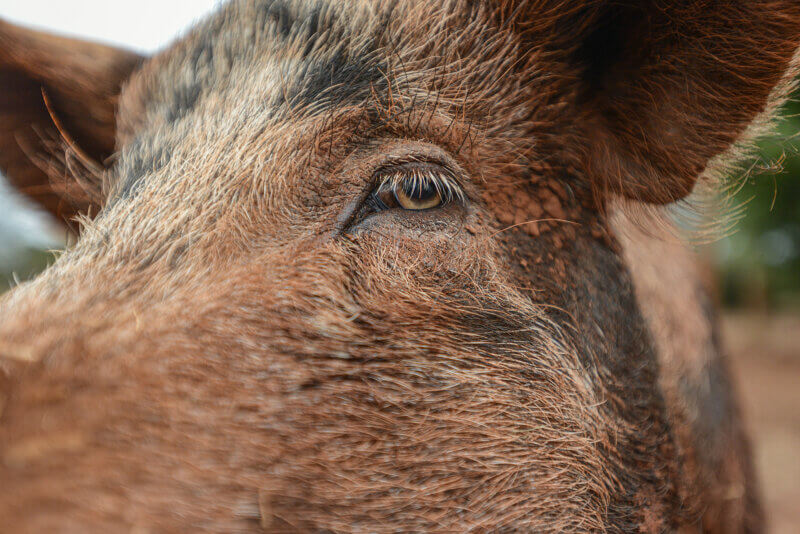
414, 176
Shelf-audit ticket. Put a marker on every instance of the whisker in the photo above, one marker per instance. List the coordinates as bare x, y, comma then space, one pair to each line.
534, 221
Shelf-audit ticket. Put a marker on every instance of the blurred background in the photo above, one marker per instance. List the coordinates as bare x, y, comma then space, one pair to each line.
755, 266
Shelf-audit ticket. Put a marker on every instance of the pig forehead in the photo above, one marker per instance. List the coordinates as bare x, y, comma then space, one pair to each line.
254, 69
283, 57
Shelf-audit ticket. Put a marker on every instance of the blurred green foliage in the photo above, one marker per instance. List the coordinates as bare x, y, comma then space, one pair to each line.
759, 264
27, 263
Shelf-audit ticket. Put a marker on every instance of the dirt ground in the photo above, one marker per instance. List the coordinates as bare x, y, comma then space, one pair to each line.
765, 354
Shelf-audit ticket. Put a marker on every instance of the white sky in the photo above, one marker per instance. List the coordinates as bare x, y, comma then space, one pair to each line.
142, 25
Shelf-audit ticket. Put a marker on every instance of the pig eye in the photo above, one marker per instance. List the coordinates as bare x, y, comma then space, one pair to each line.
414, 186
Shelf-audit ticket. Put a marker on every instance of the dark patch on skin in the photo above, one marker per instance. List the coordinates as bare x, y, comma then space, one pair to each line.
140, 161
306, 29
202, 54
313, 29
347, 77
594, 296
494, 326
278, 12
184, 100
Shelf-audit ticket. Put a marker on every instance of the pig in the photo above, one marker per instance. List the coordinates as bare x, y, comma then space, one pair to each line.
382, 266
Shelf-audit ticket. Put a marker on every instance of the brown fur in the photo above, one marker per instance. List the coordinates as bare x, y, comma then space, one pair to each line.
232, 345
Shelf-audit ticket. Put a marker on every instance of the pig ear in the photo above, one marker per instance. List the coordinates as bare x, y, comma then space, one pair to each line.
56, 93
665, 87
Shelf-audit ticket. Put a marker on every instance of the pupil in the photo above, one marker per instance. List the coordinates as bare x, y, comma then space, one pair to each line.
419, 189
